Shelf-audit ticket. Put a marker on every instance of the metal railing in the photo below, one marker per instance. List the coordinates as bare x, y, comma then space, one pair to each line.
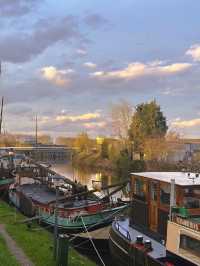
124, 232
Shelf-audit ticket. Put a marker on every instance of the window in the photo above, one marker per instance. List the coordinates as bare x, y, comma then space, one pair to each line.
191, 198
139, 188
154, 191
190, 244
165, 193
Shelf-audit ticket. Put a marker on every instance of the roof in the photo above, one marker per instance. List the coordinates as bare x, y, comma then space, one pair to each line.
181, 178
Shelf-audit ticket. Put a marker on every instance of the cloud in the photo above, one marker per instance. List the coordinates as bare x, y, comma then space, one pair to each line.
95, 21
20, 46
81, 52
194, 51
136, 70
75, 118
186, 123
94, 125
57, 77
90, 65
10, 8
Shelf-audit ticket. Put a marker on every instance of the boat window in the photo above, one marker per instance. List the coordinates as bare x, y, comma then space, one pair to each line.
139, 188
192, 197
154, 191
165, 193
190, 244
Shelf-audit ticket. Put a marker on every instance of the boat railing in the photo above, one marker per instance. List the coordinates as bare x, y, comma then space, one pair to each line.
124, 232
191, 222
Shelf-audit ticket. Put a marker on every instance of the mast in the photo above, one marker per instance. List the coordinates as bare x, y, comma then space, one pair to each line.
36, 131
2, 102
1, 115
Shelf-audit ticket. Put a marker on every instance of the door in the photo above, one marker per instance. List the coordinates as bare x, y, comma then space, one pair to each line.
153, 213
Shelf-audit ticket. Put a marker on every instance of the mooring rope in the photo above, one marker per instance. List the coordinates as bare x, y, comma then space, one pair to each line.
90, 227
99, 256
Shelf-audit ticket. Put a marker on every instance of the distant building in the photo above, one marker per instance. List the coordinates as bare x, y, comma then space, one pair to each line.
185, 150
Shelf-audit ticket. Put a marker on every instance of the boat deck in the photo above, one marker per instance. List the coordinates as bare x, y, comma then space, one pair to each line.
37, 193
122, 226
43, 195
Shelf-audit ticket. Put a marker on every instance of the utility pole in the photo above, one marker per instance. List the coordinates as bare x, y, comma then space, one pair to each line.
36, 131
1, 115
2, 102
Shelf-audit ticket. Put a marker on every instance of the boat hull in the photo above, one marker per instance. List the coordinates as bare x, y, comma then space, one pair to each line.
123, 253
78, 223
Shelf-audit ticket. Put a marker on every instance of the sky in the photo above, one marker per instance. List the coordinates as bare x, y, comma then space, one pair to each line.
70, 61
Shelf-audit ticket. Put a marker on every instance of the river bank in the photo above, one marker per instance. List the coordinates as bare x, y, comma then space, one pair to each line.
119, 166
36, 242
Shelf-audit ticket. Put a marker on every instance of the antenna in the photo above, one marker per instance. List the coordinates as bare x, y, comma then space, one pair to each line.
194, 177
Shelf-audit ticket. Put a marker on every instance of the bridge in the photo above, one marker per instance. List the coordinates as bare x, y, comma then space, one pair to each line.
45, 153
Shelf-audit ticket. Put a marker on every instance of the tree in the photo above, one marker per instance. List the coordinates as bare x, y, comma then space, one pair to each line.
148, 122
45, 139
104, 149
83, 143
121, 114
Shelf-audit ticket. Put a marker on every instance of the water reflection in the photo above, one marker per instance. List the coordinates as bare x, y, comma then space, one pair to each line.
86, 176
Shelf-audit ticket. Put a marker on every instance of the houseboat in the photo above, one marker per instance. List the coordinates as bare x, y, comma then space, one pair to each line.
72, 207
7, 173
163, 226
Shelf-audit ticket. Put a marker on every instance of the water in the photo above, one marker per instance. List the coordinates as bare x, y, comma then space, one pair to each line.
84, 176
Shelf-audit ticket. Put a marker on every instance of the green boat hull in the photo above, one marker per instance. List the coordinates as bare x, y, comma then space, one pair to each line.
80, 222
5, 182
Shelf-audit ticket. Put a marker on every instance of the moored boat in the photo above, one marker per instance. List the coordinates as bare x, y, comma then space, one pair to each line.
164, 222
7, 173
76, 209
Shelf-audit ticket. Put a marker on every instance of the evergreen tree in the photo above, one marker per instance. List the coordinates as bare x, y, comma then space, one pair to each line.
147, 122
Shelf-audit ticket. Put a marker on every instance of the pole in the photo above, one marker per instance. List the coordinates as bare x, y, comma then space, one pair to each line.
1, 115
172, 198
56, 224
36, 131
63, 249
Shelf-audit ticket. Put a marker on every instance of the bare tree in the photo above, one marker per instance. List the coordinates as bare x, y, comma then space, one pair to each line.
121, 114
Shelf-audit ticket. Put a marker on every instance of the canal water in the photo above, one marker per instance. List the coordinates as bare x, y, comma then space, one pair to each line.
86, 176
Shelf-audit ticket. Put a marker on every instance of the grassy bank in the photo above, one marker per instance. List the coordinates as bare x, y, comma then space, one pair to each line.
36, 242
6, 259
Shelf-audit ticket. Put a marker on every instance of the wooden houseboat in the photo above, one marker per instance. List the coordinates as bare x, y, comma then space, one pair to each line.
163, 223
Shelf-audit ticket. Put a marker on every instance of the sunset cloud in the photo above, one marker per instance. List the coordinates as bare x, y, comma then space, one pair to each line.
74, 118
58, 77
194, 51
137, 70
186, 123
94, 125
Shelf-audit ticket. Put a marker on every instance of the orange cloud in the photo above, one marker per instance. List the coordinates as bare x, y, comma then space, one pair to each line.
137, 69
186, 123
93, 125
58, 77
74, 118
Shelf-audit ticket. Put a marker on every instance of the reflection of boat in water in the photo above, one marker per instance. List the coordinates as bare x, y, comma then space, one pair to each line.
163, 227
77, 207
